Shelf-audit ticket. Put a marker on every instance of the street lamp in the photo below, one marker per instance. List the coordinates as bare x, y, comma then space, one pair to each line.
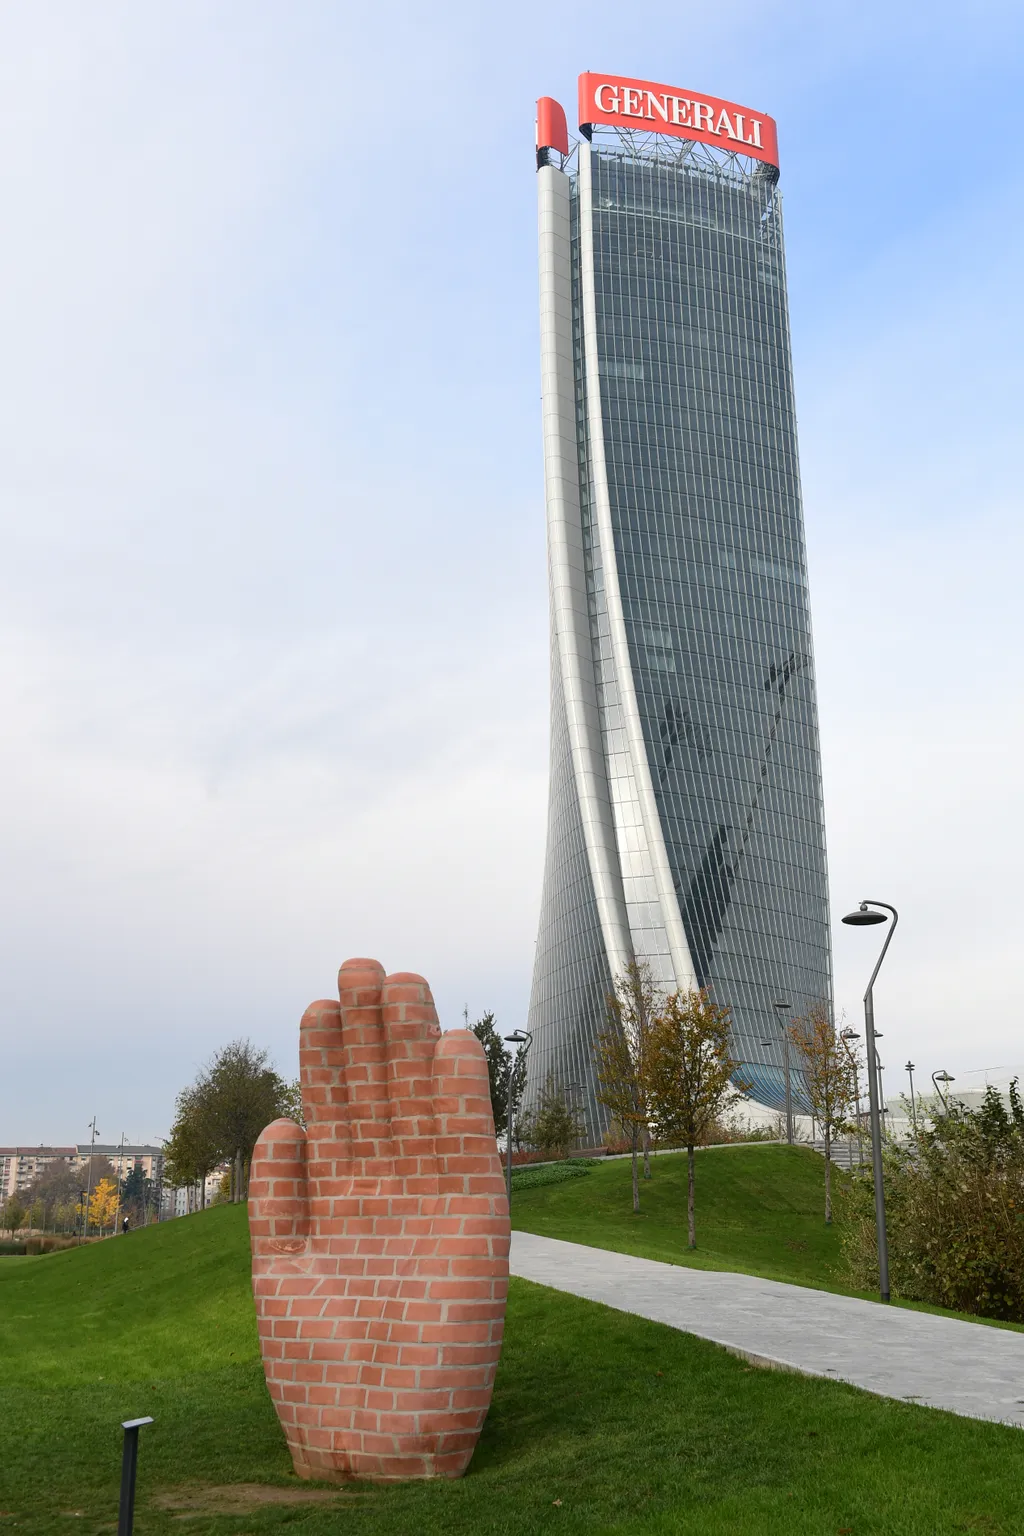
942, 1077
783, 1010
92, 1158
524, 1039
913, 1105
864, 917
846, 1036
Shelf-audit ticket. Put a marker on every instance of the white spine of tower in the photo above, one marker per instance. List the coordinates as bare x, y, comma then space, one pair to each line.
570, 623
650, 895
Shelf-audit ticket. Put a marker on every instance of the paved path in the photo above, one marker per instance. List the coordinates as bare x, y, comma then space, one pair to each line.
940, 1362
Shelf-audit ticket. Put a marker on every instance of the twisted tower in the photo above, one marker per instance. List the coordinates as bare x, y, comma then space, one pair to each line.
685, 821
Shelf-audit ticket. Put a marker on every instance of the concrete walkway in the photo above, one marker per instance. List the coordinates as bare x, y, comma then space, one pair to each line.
939, 1362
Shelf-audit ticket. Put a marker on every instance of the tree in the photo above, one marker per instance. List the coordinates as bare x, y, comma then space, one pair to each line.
14, 1214
506, 1073
59, 1184
242, 1095
830, 1075
622, 1058
220, 1116
63, 1182
690, 1075
499, 1069
556, 1123
191, 1152
103, 1205
136, 1195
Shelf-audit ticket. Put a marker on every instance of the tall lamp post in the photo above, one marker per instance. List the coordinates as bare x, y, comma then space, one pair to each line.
524, 1039
846, 1036
120, 1182
92, 1154
943, 1077
913, 1104
783, 1010
865, 917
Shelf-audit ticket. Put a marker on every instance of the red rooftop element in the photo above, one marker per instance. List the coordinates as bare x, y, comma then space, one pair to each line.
552, 130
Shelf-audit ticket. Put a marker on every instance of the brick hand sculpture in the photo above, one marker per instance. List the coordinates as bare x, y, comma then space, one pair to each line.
380, 1238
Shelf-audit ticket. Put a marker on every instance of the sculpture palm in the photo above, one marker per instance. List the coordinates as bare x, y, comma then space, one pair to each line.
380, 1239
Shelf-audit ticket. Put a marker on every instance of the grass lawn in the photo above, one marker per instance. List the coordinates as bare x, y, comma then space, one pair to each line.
760, 1210
601, 1422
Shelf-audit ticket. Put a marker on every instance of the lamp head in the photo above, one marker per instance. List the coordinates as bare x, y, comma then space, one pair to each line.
517, 1037
781, 1006
864, 917
909, 1067
849, 1034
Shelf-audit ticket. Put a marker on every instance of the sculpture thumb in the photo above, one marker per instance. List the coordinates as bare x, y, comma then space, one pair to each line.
278, 1207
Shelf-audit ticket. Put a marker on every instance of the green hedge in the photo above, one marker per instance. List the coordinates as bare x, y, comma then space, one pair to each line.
15, 1249
552, 1173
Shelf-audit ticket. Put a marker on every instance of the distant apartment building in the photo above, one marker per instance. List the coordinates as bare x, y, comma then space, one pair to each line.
20, 1165
124, 1158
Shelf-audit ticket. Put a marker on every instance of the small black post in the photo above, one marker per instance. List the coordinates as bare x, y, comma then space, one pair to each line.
129, 1462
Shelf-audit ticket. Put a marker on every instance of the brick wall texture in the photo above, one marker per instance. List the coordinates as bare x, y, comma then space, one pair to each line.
380, 1238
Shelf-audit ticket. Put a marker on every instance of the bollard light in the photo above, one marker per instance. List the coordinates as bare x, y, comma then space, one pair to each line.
129, 1465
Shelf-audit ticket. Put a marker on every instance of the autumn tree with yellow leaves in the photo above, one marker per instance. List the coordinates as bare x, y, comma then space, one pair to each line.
103, 1204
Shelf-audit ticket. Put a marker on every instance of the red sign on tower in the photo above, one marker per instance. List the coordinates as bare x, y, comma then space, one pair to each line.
666, 109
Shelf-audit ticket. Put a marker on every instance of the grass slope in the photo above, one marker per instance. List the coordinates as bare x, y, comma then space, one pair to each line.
601, 1423
760, 1210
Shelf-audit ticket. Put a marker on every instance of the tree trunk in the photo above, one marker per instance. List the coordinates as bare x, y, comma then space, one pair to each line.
647, 1151
828, 1178
689, 1197
636, 1179
238, 1177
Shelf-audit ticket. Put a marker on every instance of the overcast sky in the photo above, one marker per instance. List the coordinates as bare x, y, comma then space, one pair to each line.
273, 613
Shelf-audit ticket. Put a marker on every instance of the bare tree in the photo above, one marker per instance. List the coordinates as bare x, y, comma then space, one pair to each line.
690, 1075
621, 1058
830, 1075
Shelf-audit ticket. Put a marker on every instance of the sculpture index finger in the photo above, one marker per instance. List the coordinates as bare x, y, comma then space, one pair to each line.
322, 1064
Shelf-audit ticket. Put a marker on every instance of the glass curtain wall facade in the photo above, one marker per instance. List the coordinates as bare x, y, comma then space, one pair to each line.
685, 821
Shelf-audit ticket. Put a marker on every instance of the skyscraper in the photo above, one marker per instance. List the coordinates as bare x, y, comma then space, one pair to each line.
685, 821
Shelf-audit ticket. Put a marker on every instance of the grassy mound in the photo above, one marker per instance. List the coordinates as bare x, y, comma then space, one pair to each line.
760, 1210
601, 1423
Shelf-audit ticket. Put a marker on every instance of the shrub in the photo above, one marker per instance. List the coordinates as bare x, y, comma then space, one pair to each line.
955, 1213
551, 1173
